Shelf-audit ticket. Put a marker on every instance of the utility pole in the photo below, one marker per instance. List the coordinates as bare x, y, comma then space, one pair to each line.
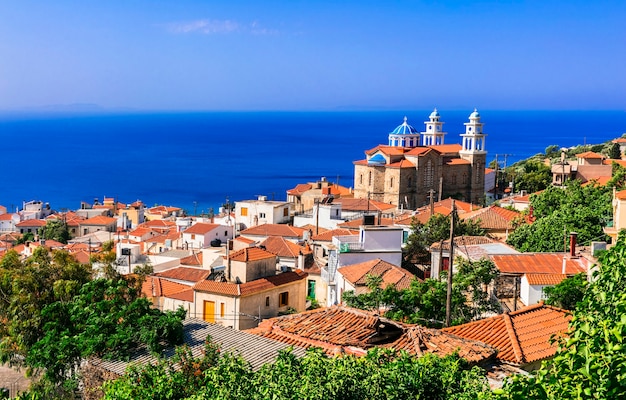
450, 265
431, 195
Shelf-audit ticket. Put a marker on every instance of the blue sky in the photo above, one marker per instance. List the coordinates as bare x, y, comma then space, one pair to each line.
306, 55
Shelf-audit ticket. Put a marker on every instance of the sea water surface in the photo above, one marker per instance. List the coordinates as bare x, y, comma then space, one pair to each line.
197, 160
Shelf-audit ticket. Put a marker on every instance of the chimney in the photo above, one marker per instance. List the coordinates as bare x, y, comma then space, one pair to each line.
572, 244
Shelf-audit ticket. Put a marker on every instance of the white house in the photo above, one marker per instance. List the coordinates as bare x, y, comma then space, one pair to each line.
201, 235
258, 212
532, 286
8, 222
373, 242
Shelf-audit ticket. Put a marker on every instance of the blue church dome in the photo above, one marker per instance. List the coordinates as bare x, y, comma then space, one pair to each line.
405, 129
475, 114
377, 159
434, 114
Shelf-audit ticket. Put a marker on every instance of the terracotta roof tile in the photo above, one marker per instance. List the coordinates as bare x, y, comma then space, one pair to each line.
457, 161
356, 274
361, 205
201, 228
99, 220
300, 189
387, 150
284, 248
251, 254
545, 279
274, 230
192, 260
522, 336
32, 222
157, 287
252, 287
345, 330
538, 263
492, 217
589, 154
327, 236
185, 274
402, 164
448, 148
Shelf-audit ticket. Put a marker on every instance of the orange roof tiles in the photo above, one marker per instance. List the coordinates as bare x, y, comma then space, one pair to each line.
448, 148
402, 164
201, 228
457, 161
346, 330
327, 236
621, 195
185, 274
300, 189
32, 222
284, 248
192, 260
589, 154
417, 151
252, 287
391, 274
539, 263
387, 150
157, 287
492, 217
522, 336
545, 279
6, 217
362, 205
99, 220
251, 254
274, 230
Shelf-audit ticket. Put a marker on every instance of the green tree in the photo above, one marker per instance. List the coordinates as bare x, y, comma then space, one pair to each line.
381, 374
55, 229
436, 229
532, 176
614, 151
591, 361
567, 293
558, 211
424, 302
25, 238
106, 319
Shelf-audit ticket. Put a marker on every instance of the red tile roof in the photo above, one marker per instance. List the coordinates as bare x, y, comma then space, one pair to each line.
387, 150
6, 217
545, 279
300, 189
347, 330
457, 161
348, 204
157, 287
492, 217
589, 154
32, 222
538, 263
185, 274
192, 260
284, 248
252, 287
448, 148
356, 274
99, 220
402, 164
327, 236
274, 230
251, 254
522, 336
201, 228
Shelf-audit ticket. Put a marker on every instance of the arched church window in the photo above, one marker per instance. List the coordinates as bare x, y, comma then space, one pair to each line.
369, 178
361, 179
391, 182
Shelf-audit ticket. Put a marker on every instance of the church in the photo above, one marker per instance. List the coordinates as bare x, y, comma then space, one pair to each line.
416, 165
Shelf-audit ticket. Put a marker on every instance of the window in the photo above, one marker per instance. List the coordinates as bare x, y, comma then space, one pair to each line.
283, 299
428, 174
391, 182
285, 212
361, 178
225, 233
222, 308
193, 236
369, 179
261, 215
244, 211
267, 301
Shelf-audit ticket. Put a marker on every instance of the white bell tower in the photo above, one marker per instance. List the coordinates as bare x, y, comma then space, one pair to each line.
473, 138
434, 134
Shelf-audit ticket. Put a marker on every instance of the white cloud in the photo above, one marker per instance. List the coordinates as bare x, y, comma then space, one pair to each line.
212, 26
205, 26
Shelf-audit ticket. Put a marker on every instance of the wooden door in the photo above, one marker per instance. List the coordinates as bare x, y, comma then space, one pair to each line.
209, 311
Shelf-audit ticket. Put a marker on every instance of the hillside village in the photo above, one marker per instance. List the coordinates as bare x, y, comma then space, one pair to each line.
265, 275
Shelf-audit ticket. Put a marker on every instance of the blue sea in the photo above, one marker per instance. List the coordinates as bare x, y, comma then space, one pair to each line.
197, 160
